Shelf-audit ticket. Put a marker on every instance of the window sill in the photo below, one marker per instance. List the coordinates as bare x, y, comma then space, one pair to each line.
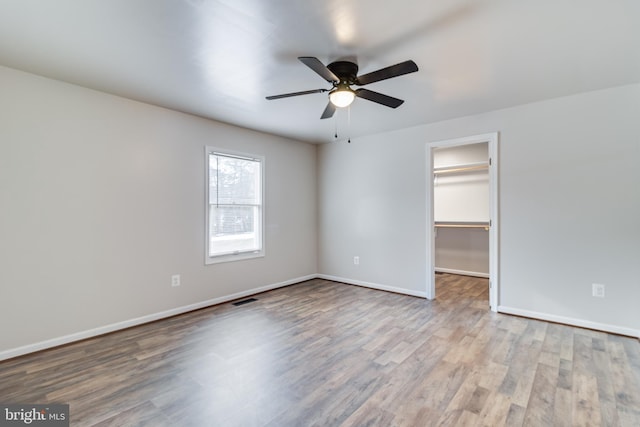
233, 257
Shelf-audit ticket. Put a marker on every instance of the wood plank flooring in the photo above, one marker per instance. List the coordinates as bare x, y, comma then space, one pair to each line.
321, 353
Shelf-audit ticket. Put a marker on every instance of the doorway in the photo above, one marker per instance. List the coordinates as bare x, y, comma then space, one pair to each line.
486, 219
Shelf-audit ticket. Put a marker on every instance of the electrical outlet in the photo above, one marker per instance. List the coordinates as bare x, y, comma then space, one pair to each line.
598, 290
175, 280
356, 260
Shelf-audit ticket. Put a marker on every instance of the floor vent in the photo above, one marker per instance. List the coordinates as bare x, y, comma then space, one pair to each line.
244, 301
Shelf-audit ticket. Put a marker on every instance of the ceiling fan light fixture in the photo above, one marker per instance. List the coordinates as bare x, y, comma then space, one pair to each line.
342, 96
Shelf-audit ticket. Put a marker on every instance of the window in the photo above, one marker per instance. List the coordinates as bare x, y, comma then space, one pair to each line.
234, 206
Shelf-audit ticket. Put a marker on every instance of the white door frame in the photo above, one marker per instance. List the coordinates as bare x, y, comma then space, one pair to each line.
492, 140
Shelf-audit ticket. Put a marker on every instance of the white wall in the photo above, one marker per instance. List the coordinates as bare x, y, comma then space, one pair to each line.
102, 200
569, 206
462, 196
462, 251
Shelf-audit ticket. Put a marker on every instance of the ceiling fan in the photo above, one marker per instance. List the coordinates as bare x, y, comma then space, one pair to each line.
342, 75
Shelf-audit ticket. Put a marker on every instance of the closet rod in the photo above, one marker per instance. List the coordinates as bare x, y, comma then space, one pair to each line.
484, 225
460, 169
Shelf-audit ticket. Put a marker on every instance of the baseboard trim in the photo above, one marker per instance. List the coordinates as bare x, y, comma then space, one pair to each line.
66, 339
373, 285
619, 330
462, 272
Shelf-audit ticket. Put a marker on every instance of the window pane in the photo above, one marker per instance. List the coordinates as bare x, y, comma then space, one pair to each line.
233, 180
233, 229
228, 220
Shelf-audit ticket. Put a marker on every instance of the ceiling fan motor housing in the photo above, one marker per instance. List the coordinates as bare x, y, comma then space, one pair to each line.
346, 71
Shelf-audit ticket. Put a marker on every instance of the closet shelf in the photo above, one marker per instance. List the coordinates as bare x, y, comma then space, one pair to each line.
461, 168
463, 224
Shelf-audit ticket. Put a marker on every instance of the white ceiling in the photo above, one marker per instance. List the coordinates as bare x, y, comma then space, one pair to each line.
219, 59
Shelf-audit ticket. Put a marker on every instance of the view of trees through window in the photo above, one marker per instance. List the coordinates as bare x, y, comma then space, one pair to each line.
235, 218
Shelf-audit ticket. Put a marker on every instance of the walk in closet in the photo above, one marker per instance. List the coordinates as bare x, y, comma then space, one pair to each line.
461, 209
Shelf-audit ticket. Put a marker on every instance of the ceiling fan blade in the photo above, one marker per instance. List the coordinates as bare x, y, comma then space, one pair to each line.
304, 92
400, 69
329, 111
387, 100
319, 67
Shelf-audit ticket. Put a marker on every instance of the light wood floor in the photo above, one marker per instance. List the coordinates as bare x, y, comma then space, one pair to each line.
321, 353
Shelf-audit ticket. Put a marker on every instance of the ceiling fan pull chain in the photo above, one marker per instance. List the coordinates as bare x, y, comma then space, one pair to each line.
349, 124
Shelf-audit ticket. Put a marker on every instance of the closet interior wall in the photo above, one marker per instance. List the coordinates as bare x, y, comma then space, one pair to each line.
461, 209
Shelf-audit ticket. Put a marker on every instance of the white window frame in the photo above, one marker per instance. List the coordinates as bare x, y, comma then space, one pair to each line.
240, 255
